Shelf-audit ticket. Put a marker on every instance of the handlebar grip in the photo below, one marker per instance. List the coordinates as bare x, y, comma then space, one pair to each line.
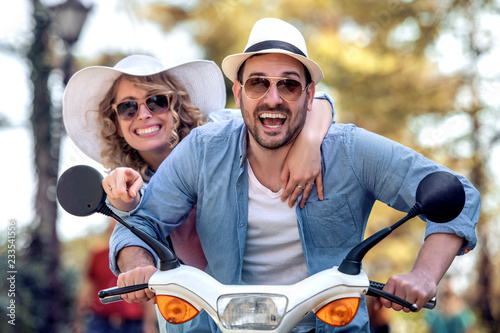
431, 304
115, 291
111, 299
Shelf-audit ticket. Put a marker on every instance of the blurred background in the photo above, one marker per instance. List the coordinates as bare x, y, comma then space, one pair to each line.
424, 73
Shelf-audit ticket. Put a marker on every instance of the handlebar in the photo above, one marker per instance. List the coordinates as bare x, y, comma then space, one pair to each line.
112, 294
375, 290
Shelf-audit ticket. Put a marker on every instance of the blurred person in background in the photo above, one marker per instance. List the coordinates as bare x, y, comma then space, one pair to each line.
91, 316
452, 314
379, 318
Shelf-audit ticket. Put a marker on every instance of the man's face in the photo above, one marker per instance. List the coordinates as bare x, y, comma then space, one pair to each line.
272, 121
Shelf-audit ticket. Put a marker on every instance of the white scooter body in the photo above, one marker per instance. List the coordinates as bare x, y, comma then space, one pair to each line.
205, 293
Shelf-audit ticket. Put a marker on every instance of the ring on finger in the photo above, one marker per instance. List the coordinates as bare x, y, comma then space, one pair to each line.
310, 184
301, 187
111, 188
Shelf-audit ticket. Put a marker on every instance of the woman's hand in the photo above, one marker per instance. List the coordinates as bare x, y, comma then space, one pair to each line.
302, 168
122, 186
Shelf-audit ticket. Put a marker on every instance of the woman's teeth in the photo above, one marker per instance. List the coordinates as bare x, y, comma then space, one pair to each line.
149, 130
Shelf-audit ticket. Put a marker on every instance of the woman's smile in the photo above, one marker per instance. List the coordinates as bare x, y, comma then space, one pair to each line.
147, 130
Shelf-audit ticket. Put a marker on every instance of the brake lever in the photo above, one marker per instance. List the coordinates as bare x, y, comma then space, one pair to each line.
375, 290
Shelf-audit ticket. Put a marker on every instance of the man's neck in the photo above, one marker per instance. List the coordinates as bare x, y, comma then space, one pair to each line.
267, 164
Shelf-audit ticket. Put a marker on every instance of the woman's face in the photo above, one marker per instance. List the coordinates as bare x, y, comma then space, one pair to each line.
148, 133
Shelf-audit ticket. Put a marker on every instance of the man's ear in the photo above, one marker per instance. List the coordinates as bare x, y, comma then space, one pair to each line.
237, 93
311, 90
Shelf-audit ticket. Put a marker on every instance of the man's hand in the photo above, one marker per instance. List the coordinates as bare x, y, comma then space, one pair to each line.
122, 186
138, 275
411, 287
420, 285
137, 265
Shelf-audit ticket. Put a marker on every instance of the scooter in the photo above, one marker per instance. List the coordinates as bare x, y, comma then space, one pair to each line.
333, 294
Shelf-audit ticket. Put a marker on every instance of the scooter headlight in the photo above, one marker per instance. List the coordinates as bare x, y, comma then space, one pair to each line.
251, 311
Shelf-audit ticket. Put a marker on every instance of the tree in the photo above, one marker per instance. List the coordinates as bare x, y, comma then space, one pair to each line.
44, 249
42, 301
482, 137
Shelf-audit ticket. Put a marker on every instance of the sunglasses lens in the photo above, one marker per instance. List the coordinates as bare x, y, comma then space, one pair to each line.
289, 89
158, 103
257, 87
127, 110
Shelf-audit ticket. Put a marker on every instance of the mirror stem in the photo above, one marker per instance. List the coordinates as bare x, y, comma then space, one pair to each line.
352, 263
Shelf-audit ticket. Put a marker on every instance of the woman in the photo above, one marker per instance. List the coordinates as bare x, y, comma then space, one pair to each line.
130, 117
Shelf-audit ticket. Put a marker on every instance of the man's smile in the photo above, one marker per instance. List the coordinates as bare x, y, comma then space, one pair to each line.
272, 120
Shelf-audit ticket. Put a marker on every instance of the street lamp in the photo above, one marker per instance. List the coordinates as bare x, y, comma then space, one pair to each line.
68, 19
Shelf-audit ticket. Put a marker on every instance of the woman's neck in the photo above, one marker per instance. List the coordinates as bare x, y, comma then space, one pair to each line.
154, 159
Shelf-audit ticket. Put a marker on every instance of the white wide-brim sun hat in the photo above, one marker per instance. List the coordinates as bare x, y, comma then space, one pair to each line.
202, 79
271, 35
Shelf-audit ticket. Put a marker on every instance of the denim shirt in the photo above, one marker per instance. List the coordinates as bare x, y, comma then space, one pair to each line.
208, 168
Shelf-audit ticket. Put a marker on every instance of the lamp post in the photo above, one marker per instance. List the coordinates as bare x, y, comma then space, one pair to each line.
42, 255
68, 19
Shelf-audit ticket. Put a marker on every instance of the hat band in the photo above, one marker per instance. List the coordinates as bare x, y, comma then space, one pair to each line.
274, 44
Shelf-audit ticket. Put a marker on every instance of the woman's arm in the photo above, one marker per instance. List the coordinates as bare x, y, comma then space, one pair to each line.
303, 163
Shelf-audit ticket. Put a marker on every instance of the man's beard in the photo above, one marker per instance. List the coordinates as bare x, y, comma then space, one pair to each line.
291, 133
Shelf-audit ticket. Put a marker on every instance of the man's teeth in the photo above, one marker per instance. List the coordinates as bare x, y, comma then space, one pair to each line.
143, 131
272, 120
272, 115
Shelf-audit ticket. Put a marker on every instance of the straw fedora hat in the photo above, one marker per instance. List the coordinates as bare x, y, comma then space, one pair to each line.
202, 79
271, 35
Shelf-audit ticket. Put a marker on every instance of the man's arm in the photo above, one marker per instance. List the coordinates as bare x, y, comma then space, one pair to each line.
392, 173
137, 266
420, 285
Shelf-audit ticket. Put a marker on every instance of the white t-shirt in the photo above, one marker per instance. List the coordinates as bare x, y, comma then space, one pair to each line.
273, 251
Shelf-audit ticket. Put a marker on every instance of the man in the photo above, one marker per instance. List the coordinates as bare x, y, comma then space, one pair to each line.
231, 171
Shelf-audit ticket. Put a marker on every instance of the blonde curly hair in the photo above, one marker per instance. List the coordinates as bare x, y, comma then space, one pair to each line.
116, 152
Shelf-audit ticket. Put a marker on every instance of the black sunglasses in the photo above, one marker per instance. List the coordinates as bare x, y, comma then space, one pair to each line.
129, 109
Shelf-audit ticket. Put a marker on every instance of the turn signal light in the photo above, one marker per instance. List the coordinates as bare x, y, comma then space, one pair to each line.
339, 313
175, 310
